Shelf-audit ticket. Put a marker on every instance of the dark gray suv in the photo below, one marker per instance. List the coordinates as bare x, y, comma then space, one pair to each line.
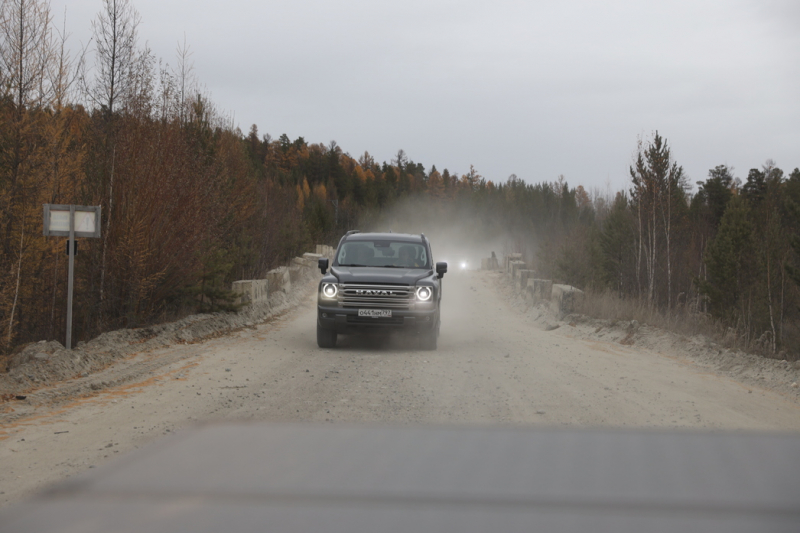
380, 281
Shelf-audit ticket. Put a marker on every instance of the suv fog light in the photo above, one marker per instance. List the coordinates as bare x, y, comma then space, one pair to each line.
324, 315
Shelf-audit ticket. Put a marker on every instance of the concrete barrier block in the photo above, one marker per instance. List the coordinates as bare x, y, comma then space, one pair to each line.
509, 258
567, 297
250, 291
528, 294
541, 289
279, 280
516, 266
296, 272
312, 259
323, 250
522, 278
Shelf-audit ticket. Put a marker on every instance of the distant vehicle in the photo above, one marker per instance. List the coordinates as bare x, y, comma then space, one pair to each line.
380, 281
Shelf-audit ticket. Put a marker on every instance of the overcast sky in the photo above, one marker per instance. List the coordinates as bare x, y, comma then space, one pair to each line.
533, 88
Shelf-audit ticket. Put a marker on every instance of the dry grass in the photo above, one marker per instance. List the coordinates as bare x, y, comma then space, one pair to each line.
608, 305
684, 320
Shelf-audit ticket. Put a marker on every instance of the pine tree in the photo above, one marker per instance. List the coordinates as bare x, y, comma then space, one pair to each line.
657, 193
729, 260
617, 249
793, 209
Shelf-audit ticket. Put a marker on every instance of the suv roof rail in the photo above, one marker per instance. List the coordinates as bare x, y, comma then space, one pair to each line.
346, 235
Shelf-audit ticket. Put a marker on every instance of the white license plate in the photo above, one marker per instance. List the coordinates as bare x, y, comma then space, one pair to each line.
375, 313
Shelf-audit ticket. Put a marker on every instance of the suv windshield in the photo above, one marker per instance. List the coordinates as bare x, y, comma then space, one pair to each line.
390, 254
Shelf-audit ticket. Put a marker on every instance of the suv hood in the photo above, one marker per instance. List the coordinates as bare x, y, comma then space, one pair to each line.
378, 275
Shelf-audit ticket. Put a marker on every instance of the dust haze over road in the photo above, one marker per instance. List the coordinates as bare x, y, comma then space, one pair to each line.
457, 234
494, 365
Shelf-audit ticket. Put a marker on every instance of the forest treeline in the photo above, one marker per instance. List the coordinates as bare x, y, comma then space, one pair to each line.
191, 203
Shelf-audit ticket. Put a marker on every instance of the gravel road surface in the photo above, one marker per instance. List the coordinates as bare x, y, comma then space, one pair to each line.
494, 365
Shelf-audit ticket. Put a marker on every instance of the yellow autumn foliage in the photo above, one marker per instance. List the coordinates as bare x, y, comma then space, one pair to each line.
321, 192
359, 172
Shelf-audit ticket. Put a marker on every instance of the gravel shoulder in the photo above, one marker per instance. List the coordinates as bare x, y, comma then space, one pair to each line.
498, 362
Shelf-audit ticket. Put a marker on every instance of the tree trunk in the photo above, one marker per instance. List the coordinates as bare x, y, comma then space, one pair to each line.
639, 251
769, 302
107, 229
16, 289
667, 235
653, 255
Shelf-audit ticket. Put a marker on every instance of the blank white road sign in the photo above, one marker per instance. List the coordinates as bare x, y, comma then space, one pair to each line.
56, 220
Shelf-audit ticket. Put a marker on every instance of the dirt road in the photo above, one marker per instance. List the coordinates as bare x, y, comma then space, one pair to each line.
494, 365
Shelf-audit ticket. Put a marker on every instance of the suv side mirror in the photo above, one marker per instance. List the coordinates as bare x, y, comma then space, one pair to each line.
441, 269
323, 265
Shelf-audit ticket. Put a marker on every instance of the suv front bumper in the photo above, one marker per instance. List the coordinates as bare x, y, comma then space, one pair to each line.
344, 320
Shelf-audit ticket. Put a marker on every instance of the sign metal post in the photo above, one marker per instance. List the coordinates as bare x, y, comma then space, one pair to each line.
71, 221
71, 252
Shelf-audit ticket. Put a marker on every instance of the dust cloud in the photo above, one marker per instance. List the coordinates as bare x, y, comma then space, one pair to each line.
458, 235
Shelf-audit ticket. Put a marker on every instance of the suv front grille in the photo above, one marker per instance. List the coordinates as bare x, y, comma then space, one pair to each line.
365, 296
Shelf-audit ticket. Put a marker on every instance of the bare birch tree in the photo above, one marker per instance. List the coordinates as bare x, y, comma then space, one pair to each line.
64, 69
186, 80
115, 36
26, 50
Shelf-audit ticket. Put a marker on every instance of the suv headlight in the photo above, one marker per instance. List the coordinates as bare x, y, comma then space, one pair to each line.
330, 290
424, 294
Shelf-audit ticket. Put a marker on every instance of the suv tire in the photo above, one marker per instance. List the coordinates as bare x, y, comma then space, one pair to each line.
326, 338
428, 339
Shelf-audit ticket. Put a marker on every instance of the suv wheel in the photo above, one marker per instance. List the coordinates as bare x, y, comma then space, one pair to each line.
428, 339
326, 338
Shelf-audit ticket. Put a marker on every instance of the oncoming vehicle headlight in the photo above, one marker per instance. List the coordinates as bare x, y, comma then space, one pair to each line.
463, 265
329, 290
424, 294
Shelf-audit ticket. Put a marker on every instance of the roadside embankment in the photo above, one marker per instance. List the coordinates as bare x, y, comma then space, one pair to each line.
560, 306
44, 363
